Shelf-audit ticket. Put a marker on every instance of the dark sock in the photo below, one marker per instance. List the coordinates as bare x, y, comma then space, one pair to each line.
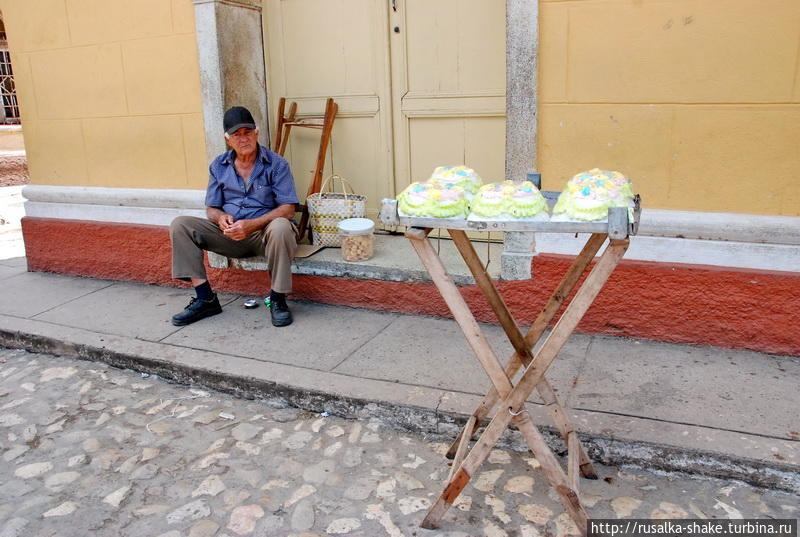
204, 291
279, 298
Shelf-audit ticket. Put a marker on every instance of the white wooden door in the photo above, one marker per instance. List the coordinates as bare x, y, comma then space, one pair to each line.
334, 48
419, 83
448, 82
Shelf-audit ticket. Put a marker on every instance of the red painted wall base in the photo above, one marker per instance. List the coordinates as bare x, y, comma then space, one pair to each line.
667, 302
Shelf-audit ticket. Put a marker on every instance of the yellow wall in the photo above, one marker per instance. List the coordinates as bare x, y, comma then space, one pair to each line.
697, 100
109, 91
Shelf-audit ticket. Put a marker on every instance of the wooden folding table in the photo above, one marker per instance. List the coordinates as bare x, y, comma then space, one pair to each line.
504, 402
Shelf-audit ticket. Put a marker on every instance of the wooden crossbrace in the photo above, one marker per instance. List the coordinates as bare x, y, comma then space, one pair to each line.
281, 137
522, 345
310, 122
512, 398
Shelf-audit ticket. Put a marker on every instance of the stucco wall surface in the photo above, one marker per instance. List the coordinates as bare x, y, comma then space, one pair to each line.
697, 100
109, 91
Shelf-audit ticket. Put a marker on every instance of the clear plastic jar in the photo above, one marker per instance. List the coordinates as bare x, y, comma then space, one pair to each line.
358, 242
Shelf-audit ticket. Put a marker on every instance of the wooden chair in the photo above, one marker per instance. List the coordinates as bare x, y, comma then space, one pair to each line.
286, 122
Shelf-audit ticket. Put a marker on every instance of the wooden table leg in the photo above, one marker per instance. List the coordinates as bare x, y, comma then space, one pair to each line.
573, 459
536, 442
516, 398
462, 315
567, 490
566, 324
559, 417
461, 452
522, 344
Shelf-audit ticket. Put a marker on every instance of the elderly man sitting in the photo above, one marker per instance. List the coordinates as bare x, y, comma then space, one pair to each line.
249, 201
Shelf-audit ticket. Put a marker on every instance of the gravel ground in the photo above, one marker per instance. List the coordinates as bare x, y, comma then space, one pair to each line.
13, 171
91, 450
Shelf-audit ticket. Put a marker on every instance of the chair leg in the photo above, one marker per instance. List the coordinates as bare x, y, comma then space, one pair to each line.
279, 125
287, 128
331, 109
303, 227
327, 127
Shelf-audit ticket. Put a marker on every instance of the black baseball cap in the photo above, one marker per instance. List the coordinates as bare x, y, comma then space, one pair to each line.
237, 117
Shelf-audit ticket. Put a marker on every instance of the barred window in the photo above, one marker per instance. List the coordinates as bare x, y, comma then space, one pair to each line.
9, 108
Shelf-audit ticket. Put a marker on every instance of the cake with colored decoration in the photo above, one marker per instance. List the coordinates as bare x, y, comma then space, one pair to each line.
433, 199
509, 200
460, 176
588, 196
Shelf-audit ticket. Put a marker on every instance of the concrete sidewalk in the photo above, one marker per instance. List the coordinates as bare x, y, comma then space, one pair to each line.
718, 412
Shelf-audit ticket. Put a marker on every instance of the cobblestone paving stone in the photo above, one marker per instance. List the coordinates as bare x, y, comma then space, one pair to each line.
91, 450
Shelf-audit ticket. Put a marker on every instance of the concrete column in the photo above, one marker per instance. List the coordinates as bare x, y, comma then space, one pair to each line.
230, 47
522, 43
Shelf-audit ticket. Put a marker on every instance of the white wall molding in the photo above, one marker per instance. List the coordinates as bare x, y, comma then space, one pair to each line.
122, 197
733, 254
720, 226
719, 239
123, 205
153, 216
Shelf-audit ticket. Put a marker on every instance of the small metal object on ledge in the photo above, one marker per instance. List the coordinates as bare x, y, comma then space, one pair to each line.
618, 226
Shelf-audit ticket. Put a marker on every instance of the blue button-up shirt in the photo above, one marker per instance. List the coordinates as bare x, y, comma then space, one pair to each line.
271, 184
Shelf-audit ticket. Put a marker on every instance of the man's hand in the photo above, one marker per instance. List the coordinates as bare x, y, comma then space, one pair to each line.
224, 221
241, 229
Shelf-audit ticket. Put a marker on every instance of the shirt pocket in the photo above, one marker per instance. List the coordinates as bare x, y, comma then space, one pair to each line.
262, 194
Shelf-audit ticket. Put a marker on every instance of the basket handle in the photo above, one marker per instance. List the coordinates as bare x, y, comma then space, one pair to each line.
345, 183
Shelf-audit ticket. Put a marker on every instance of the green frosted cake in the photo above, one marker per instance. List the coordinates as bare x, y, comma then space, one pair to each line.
588, 195
460, 176
508, 200
432, 199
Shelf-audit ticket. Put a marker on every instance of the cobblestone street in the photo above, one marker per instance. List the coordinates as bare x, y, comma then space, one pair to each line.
91, 450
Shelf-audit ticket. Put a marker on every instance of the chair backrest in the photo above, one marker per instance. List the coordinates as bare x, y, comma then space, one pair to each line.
287, 121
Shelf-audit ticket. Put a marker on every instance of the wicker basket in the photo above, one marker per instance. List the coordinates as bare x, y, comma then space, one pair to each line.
327, 208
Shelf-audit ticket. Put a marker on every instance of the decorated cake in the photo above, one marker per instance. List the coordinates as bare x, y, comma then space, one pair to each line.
588, 195
508, 201
460, 176
433, 198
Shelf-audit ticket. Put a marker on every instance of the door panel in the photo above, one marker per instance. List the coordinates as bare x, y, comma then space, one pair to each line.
328, 46
335, 48
455, 46
439, 141
448, 81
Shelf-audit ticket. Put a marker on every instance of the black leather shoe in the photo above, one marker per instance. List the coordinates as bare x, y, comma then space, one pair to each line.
196, 310
281, 316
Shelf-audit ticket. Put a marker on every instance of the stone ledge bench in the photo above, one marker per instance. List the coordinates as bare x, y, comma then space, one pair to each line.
394, 261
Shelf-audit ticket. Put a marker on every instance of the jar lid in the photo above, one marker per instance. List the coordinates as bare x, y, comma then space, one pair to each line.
356, 226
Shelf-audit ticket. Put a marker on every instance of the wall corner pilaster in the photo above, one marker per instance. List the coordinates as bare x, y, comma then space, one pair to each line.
232, 68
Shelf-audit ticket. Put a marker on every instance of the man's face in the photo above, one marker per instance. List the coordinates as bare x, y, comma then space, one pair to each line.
244, 141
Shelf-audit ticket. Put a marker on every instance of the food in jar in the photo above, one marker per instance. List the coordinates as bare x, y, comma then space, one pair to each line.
357, 247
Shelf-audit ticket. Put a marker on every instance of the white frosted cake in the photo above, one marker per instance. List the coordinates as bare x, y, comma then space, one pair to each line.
588, 196
509, 200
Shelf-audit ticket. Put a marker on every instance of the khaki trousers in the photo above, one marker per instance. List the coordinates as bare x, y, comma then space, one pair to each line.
191, 235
